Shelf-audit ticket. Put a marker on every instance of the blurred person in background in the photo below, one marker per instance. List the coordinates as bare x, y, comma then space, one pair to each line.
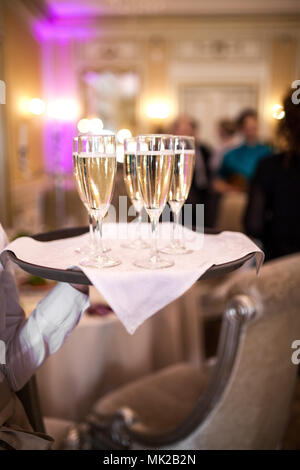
226, 132
273, 211
239, 164
201, 184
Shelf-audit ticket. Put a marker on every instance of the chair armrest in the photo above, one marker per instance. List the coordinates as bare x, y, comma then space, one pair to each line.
124, 430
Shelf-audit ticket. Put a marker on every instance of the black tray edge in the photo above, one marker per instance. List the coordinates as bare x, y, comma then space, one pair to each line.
76, 276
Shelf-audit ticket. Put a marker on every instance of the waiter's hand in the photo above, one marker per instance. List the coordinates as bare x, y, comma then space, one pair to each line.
81, 288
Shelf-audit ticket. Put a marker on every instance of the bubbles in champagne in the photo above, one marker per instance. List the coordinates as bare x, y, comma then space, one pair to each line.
183, 170
155, 171
97, 172
131, 181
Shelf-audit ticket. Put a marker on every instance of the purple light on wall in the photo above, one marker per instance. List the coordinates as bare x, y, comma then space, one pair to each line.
59, 92
69, 10
56, 36
58, 139
48, 30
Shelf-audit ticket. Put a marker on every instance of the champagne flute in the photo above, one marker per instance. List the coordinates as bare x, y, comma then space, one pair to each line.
81, 194
183, 169
79, 184
133, 190
155, 156
97, 166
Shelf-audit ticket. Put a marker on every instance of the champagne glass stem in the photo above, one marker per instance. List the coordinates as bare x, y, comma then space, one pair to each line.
176, 237
182, 237
91, 230
173, 230
139, 227
154, 237
98, 236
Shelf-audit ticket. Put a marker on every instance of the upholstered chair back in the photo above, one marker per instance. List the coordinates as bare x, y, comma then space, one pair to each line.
253, 409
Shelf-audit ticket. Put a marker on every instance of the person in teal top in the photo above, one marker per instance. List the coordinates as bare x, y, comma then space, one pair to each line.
243, 160
239, 164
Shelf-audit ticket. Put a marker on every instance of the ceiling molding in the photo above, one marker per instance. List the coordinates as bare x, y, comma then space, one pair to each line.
192, 27
120, 8
37, 8
31, 8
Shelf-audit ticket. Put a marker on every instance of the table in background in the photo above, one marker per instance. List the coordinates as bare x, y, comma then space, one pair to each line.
100, 355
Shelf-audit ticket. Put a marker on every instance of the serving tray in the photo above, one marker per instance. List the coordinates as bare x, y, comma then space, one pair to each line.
76, 276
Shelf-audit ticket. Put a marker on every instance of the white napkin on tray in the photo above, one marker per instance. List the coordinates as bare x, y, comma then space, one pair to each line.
134, 293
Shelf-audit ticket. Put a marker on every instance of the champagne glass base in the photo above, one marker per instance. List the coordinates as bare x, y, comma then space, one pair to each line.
154, 263
136, 244
87, 250
175, 250
100, 262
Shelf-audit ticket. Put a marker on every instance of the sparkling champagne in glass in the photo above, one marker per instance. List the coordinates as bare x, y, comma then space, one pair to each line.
155, 156
97, 166
133, 189
183, 170
79, 185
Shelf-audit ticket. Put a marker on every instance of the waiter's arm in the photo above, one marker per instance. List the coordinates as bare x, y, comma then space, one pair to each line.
30, 341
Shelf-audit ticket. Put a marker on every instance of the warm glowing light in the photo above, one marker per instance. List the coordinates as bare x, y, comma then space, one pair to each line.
123, 134
278, 111
83, 126
131, 146
106, 132
95, 125
120, 153
36, 106
158, 110
23, 105
65, 109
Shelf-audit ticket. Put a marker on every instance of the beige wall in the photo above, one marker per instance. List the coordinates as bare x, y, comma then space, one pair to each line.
4, 194
22, 66
22, 74
284, 61
172, 53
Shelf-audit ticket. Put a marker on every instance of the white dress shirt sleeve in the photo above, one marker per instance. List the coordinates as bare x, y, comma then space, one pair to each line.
30, 341
44, 332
